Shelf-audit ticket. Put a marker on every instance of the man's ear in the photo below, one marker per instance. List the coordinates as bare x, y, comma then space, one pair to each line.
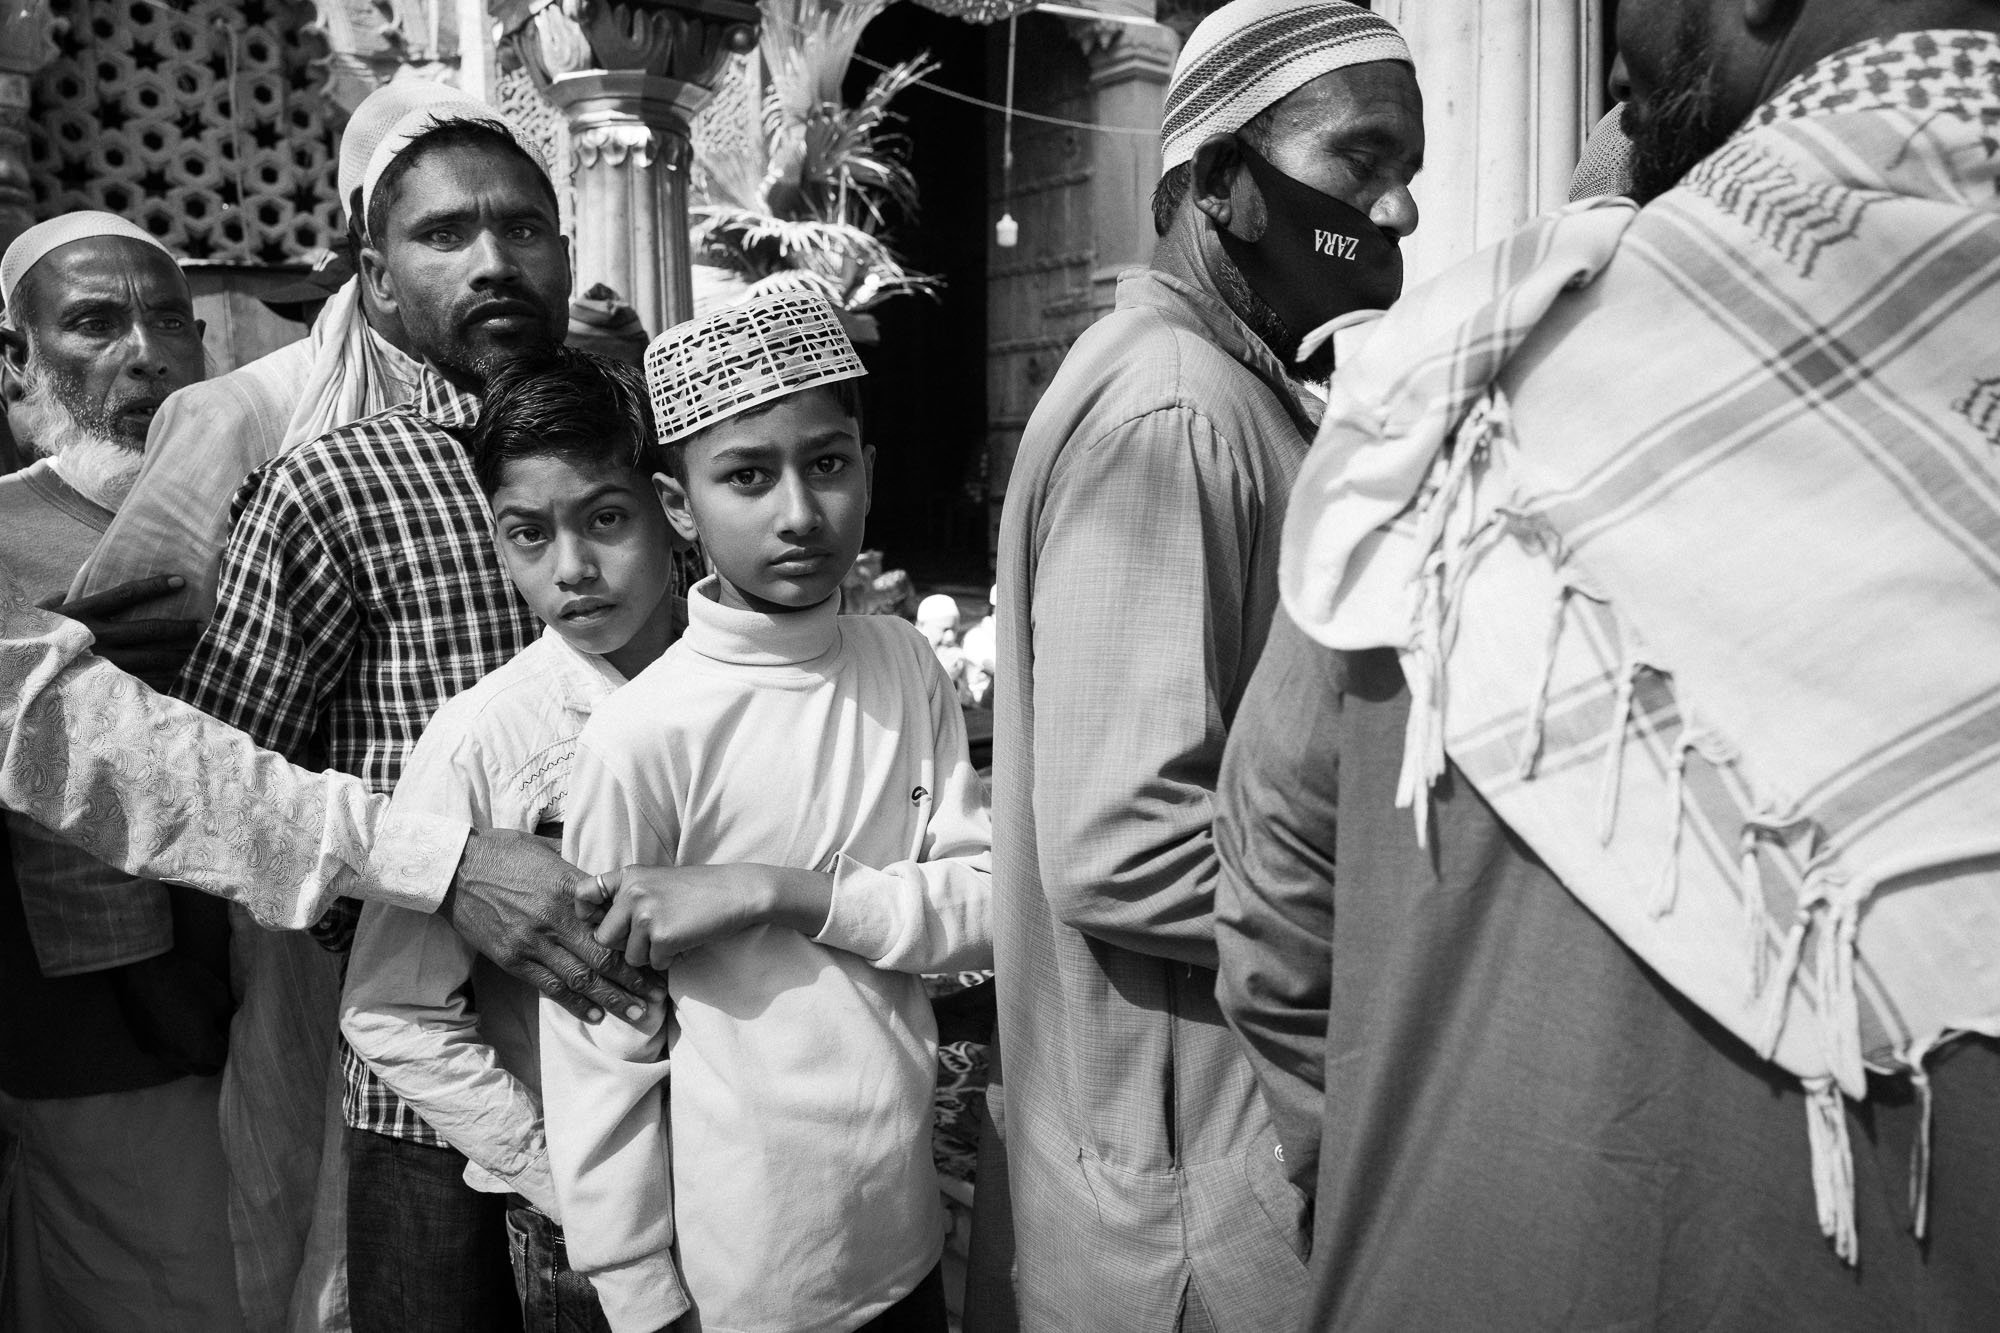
375, 277
868, 477
1757, 13
674, 499
1212, 189
13, 361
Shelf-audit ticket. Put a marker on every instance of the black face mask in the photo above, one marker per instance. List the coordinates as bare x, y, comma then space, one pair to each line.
1318, 258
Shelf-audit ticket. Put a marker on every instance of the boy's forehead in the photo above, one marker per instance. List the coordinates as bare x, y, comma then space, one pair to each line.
553, 477
806, 416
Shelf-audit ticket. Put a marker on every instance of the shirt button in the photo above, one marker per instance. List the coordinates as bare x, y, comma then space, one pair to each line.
1278, 1151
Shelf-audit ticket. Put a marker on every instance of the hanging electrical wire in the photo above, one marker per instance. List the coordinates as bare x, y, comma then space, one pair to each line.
1007, 232
1038, 118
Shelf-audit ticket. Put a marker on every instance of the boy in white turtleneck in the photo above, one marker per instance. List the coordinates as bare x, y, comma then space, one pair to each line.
806, 774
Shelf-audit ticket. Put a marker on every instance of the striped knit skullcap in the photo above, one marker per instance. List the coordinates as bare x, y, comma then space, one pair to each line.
35, 244
1250, 53
741, 356
377, 116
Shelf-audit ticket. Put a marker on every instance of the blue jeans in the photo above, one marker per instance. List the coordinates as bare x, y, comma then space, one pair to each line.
426, 1253
554, 1299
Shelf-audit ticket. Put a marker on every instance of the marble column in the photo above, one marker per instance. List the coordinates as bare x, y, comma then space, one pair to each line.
27, 42
628, 76
1510, 89
1129, 67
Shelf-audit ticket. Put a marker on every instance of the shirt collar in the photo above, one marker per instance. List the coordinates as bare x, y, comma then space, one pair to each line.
580, 680
1955, 71
443, 403
755, 638
1218, 324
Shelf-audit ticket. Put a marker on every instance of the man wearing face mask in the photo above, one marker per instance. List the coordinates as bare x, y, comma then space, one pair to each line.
1609, 882
1147, 1189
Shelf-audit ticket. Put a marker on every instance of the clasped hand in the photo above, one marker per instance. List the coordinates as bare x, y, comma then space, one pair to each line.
153, 650
656, 912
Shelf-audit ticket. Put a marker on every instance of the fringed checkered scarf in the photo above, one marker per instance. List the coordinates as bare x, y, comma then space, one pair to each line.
1687, 524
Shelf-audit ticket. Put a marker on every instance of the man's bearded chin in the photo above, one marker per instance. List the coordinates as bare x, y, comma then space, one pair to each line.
92, 457
1271, 330
1677, 126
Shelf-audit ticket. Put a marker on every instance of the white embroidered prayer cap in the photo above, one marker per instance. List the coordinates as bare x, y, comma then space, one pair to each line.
35, 244
709, 369
939, 611
1250, 53
419, 121
379, 113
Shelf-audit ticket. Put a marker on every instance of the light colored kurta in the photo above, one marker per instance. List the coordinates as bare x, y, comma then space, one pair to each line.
450, 1033
800, 1098
1138, 562
160, 789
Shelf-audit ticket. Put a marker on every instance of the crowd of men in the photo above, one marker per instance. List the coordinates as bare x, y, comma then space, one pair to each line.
1524, 857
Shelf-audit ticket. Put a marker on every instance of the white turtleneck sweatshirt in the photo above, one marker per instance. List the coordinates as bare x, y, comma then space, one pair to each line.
797, 1120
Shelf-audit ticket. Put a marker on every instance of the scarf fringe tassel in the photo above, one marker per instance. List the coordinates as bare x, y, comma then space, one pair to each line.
1832, 1166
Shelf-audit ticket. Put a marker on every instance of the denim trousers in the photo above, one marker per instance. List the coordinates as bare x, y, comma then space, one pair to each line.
554, 1299
426, 1253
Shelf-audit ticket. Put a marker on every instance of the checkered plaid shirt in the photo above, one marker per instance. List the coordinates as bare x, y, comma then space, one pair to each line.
359, 591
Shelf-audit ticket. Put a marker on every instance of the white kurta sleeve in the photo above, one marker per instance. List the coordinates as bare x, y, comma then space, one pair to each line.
406, 1008
603, 1090
932, 912
160, 789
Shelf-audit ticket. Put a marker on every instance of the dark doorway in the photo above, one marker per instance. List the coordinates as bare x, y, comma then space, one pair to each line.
925, 396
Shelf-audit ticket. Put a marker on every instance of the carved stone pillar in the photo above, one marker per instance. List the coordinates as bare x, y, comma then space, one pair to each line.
1510, 88
27, 42
627, 76
1129, 68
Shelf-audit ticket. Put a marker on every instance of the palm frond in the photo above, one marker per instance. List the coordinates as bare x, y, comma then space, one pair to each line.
811, 203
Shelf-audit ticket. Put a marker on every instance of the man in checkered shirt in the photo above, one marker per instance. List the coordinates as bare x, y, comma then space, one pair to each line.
360, 590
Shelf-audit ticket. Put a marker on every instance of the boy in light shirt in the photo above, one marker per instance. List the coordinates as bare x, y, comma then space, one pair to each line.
808, 774
565, 450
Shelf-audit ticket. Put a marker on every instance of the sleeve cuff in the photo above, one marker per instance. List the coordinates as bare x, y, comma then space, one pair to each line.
533, 1183
642, 1296
861, 921
412, 860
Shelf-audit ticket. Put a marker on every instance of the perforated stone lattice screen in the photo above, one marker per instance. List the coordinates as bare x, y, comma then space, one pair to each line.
205, 123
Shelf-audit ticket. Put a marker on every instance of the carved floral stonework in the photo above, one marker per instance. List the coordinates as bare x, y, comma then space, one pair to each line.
369, 42
620, 145
688, 41
628, 76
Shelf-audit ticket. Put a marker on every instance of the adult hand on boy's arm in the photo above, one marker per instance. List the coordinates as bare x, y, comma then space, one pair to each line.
659, 911
510, 900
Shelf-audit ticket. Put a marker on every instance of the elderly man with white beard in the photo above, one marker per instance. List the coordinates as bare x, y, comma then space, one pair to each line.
108, 1055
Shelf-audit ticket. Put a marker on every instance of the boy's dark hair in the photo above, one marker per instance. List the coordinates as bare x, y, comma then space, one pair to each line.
846, 396
441, 136
562, 403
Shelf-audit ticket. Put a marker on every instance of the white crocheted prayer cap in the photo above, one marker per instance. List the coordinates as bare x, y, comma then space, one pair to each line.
34, 244
420, 120
712, 368
378, 114
1250, 53
1606, 164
